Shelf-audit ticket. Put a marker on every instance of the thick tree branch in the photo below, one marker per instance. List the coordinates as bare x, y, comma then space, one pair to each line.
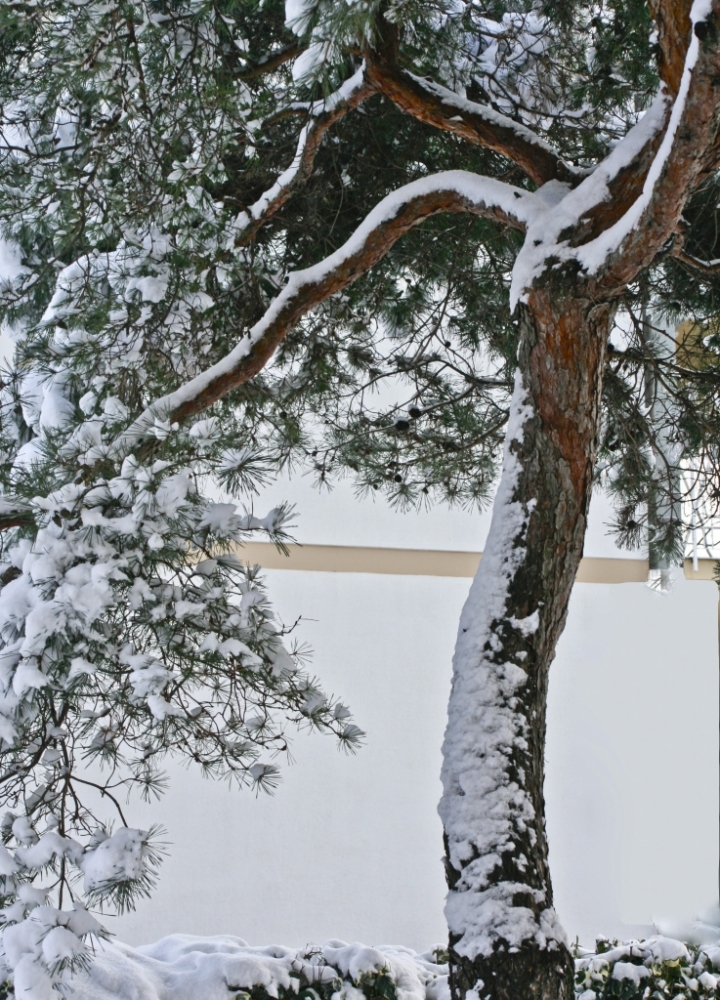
455, 191
672, 23
619, 180
479, 124
678, 167
674, 31
323, 116
613, 225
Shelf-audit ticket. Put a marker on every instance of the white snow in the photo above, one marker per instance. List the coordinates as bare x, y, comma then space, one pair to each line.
628, 970
117, 857
297, 13
186, 967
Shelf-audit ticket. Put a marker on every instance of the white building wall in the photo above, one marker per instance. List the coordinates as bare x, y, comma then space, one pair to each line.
351, 847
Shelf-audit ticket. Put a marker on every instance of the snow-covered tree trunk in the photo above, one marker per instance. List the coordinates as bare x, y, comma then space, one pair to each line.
506, 942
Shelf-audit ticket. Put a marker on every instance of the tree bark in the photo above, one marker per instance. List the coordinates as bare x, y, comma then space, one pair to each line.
506, 942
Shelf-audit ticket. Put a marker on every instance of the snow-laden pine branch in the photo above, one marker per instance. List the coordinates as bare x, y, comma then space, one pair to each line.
455, 191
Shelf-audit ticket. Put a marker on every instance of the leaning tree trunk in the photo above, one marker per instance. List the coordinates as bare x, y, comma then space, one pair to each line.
506, 942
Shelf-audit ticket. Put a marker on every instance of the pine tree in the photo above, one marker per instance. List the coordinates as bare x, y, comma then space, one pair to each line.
423, 243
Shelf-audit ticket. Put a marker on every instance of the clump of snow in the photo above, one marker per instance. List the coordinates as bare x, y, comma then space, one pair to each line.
298, 14
120, 857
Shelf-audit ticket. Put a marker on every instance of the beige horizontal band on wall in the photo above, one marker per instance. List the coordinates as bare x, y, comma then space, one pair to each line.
435, 562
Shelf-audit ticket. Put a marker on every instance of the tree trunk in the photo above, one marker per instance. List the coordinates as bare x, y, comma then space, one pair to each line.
506, 942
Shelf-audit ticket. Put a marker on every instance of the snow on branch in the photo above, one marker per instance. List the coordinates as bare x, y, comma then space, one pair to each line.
323, 115
677, 139
567, 210
679, 164
706, 267
479, 124
456, 191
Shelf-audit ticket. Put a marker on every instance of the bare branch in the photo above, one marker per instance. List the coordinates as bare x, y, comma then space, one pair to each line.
455, 191
271, 62
709, 267
14, 517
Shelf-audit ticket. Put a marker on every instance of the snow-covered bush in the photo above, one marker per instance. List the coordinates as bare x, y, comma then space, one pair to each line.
658, 967
182, 967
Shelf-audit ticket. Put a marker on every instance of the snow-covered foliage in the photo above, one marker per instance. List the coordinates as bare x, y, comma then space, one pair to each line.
183, 967
130, 627
130, 631
658, 967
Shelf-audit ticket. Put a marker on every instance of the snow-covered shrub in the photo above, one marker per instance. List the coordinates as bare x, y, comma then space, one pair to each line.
182, 967
660, 968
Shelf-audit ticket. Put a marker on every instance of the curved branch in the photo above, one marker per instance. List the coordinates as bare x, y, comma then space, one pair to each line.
479, 124
324, 114
456, 191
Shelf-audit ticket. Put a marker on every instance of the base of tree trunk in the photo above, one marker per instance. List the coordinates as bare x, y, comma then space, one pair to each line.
528, 974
